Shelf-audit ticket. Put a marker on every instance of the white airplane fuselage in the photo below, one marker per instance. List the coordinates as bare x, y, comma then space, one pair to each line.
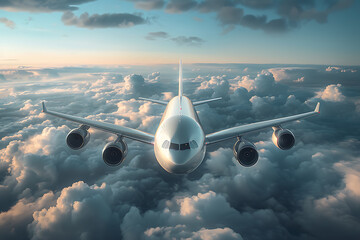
180, 140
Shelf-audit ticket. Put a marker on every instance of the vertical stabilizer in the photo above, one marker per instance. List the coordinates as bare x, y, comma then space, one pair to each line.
180, 79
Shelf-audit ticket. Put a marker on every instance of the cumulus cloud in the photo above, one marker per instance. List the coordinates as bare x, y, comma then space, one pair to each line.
50, 191
115, 20
41, 5
10, 24
331, 93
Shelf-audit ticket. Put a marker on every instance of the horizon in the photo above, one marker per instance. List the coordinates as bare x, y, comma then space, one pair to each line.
139, 32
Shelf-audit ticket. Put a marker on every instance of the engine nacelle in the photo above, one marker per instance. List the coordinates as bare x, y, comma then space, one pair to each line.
245, 152
77, 138
114, 153
283, 138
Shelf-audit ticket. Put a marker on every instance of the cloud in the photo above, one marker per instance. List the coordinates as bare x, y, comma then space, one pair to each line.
331, 93
308, 192
179, 6
41, 5
116, 20
235, 16
157, 35
71, 214
258, 4
190, 41
296, 11
148, 4
10, 24
230, 15
287, 15
180, 40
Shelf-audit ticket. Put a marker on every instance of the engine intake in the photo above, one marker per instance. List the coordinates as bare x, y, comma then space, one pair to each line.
77, 138
114, 153
283, 138
245, 152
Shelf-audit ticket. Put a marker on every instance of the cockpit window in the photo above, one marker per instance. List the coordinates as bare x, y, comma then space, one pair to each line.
166, 144
193, 144
184, 146
174, 146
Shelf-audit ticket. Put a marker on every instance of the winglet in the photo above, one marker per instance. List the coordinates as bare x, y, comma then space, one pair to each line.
317, 109
43, 107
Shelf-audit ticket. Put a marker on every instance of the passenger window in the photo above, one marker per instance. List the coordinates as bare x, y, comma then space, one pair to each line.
166, 144
193, 144
174, 146
184, 146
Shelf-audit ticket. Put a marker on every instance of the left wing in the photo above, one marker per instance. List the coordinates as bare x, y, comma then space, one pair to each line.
206, 101
241, 130
107, 127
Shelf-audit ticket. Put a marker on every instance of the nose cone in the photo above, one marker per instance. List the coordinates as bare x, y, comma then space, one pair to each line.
183, 162
173, 148
179, 158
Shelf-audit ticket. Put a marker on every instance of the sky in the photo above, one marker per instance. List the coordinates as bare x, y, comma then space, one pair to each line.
139, 32
94, 59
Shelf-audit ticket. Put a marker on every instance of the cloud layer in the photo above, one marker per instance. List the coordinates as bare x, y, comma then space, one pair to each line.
309, 192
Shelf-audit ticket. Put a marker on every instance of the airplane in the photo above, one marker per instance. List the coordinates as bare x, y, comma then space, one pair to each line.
179, 141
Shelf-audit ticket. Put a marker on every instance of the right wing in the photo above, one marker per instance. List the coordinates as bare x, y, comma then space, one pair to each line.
240, 130
107, 127
154, 101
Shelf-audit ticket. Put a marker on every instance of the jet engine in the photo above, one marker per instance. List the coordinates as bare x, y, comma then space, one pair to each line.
78, 138
245, 152
114, 153
283, 138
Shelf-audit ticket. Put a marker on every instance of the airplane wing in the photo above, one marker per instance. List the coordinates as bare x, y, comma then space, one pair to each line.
241, 130
206, 101
154, 101
107, 127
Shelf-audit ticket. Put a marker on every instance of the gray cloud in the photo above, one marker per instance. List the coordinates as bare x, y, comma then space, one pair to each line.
7, 22
157, 35
231, 16
180, 40
178, 6
41, 5
291, 14
191, 41
308, 192
148, 4
258, 4
116, 20
296, 11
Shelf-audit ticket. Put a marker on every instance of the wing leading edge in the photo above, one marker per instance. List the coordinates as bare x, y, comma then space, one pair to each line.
107, 127
241, 130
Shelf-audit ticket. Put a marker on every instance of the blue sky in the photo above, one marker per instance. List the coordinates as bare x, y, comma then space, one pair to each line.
31, 35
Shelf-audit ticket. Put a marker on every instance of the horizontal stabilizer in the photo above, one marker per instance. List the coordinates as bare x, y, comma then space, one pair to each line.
154, 101
206, 101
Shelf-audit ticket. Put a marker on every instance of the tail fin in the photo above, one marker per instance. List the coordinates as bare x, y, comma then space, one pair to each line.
180, 79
